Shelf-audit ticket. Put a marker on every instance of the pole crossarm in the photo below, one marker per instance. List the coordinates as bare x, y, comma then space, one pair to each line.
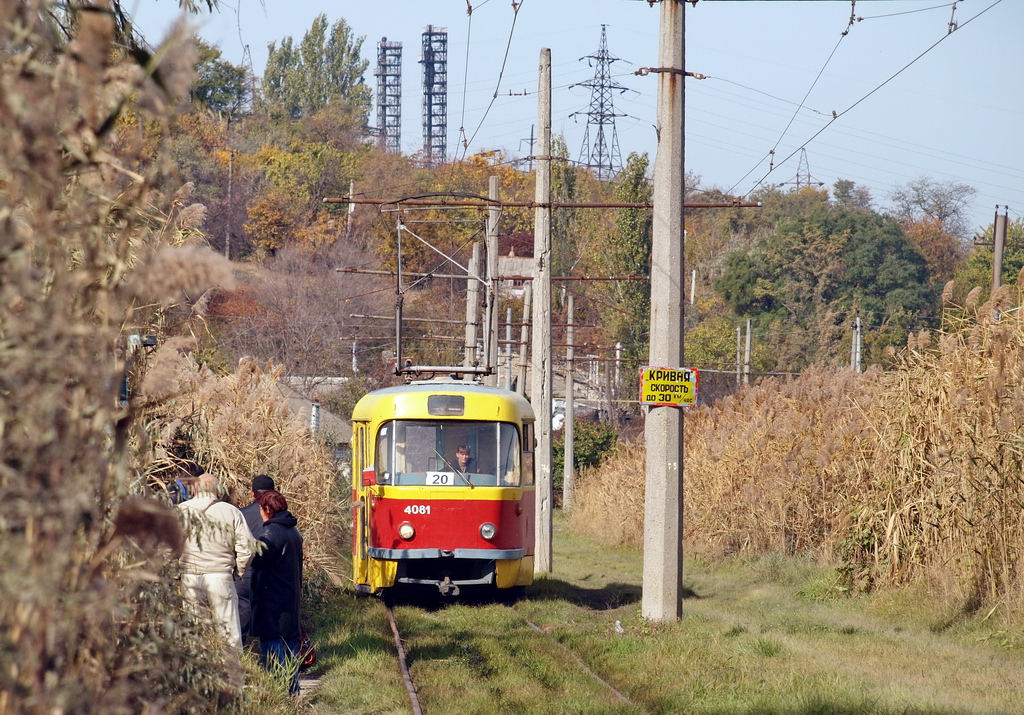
735, 203
644, 71
379, 272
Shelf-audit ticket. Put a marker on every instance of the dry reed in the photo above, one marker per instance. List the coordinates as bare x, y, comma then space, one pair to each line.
239, 425
914, 474
90, 618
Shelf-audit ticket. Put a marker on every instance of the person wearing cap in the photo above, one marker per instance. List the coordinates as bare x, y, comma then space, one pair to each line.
260, 483
243, 586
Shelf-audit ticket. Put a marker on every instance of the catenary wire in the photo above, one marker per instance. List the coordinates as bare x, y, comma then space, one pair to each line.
836, 116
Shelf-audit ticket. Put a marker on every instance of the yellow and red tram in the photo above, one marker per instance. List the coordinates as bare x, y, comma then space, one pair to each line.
442, 487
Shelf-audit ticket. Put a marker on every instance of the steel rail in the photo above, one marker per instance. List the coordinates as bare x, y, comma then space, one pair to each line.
403, 663
579, 662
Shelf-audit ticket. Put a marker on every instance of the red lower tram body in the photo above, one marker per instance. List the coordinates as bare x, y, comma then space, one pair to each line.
447, 548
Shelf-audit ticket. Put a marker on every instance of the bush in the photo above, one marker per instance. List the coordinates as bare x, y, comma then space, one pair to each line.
591, 442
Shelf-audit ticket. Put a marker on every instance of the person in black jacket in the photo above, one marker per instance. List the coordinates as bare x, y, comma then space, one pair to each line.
277, 589
243, 586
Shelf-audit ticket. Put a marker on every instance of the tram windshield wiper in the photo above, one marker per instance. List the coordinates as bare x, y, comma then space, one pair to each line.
453, 469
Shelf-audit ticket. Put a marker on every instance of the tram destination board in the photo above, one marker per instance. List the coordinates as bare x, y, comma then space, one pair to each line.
668, 386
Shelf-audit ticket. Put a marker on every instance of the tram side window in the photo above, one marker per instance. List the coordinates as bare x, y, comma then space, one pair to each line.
528, 453
508, 455
382, 462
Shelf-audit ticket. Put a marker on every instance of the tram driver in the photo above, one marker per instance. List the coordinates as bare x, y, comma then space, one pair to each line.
465, 462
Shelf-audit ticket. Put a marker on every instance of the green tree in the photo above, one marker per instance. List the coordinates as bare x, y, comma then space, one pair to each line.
885, 275
591, 442
804, 282
976, 270
851, 196
219, 85
326, 67
629, 253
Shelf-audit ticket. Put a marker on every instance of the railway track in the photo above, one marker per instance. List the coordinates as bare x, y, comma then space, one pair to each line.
403, 662
411, 685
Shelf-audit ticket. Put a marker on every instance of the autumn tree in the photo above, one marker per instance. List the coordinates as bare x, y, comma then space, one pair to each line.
453, 233
326, 67
577, 235
946, 202
273, 218
851, 196
942, 251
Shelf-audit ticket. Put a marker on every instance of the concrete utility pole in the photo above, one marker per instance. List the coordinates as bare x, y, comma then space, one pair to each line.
508, 348
999, 242
663, 501
524, 345
569, 470
746, 357
472, 304
493, 212
540, 396
739, 356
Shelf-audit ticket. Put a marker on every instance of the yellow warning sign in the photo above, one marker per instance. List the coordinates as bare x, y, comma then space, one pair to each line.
668, 386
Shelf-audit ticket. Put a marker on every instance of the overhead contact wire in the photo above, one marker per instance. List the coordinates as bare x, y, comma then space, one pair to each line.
836, 115
508, 45
465, 72
771, 153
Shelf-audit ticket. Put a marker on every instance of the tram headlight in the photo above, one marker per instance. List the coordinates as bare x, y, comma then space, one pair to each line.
488, 531
406, 531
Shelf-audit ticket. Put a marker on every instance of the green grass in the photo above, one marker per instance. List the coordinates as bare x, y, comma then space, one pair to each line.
767, 636
355, 657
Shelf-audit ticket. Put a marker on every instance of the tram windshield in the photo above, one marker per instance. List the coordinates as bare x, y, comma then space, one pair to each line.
448, 453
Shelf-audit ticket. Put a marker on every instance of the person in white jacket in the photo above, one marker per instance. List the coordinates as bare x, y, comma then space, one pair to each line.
218, 549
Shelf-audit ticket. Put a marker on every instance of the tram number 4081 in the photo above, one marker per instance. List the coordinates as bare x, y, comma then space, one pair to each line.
417, 509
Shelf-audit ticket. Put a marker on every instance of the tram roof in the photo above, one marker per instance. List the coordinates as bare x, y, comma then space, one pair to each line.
409, 401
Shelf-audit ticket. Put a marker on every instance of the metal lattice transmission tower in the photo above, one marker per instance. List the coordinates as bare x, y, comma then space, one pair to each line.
389, 95
435, 94
803, 174
602, 153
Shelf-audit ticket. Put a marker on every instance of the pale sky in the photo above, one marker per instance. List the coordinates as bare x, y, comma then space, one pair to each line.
954, 114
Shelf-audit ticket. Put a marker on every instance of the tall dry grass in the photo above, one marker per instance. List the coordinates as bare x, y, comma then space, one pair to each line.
97, 243
899, 476
239, 425
947, 501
